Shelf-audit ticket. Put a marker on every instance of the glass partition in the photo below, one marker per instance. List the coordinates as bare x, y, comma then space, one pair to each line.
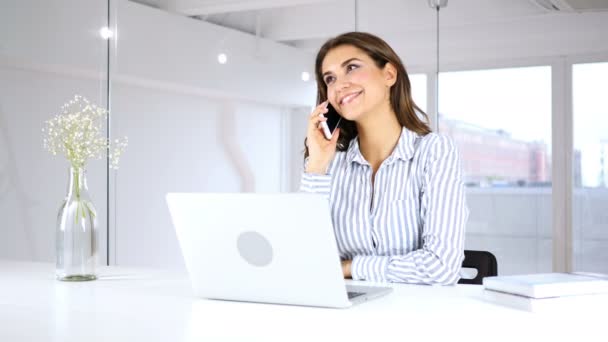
49, 52
216, 99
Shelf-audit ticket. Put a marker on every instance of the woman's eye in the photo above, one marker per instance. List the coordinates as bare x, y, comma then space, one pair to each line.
351, 67
329, 79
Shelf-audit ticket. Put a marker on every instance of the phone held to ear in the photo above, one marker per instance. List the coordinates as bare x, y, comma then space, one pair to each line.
333, 121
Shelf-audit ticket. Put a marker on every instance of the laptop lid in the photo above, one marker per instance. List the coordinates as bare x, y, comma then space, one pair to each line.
272, 248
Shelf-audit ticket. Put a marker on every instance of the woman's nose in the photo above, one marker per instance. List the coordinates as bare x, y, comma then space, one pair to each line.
342, 83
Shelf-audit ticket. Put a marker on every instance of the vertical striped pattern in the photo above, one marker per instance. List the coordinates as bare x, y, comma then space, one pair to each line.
414, 230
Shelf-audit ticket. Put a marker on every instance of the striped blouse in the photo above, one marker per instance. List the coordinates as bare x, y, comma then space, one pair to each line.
411, 229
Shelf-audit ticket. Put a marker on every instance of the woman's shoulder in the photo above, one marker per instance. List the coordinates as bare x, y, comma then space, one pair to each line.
435, 138
434, 143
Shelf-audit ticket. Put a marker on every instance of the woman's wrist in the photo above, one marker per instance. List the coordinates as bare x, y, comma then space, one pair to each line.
316, 169
346, 268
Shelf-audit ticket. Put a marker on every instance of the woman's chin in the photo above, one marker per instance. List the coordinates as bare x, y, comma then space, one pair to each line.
351, 115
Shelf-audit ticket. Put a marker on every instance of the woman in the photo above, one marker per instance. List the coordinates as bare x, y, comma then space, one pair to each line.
395, 190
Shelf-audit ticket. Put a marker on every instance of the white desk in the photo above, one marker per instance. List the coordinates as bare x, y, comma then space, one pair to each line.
151, 305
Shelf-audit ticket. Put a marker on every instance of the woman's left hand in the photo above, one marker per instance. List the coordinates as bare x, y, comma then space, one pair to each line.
346, 268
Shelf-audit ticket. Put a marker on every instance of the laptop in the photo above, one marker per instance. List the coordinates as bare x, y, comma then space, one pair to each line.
265, 248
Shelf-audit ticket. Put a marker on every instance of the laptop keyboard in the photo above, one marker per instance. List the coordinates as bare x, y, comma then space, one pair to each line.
352, 295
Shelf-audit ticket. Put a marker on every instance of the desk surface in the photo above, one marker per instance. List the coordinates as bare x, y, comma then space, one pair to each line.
155, 305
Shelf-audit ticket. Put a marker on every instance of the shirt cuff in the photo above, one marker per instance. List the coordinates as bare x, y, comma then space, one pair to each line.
315, 183
369, 267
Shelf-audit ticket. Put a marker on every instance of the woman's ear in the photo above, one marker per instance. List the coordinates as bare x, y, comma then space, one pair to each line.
390, 74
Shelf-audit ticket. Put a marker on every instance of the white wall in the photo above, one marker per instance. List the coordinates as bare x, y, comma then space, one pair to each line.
529, 38
49, 51
176, 146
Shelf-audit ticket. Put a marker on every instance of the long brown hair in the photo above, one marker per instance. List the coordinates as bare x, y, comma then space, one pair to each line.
400, 97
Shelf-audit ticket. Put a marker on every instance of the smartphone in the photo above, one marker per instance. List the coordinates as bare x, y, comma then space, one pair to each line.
333, 121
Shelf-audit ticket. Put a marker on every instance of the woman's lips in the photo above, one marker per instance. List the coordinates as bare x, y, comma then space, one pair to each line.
349, 98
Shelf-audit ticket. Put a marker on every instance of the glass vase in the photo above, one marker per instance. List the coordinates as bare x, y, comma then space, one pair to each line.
76, 239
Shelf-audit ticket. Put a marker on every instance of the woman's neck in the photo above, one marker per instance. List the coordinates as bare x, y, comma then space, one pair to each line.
378, 136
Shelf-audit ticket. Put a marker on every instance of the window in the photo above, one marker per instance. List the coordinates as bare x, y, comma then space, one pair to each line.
500, 120
418, 84
590, 169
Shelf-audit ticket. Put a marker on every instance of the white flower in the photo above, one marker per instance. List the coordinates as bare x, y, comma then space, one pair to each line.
77, 134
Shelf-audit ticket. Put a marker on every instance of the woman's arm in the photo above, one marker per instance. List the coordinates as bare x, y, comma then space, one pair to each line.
444, 214
319, 183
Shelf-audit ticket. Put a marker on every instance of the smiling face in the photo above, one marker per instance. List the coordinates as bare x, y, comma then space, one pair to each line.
356, 86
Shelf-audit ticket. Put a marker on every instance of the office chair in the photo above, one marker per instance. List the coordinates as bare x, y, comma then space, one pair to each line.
483, 261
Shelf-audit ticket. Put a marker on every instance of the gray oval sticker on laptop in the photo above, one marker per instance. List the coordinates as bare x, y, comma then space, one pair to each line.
254, 248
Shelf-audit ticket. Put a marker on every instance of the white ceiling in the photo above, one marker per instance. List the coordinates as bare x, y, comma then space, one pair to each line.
410, 26
300, 21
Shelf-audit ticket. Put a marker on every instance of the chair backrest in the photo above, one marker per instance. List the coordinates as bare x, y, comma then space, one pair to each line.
483, 261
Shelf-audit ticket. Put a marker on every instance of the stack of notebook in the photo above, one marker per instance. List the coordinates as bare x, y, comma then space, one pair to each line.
550, 292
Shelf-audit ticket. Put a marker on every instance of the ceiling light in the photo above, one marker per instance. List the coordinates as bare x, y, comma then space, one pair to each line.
222, 58
106, 33
305, 76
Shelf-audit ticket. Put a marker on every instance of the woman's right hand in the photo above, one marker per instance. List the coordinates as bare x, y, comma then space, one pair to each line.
320, 150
